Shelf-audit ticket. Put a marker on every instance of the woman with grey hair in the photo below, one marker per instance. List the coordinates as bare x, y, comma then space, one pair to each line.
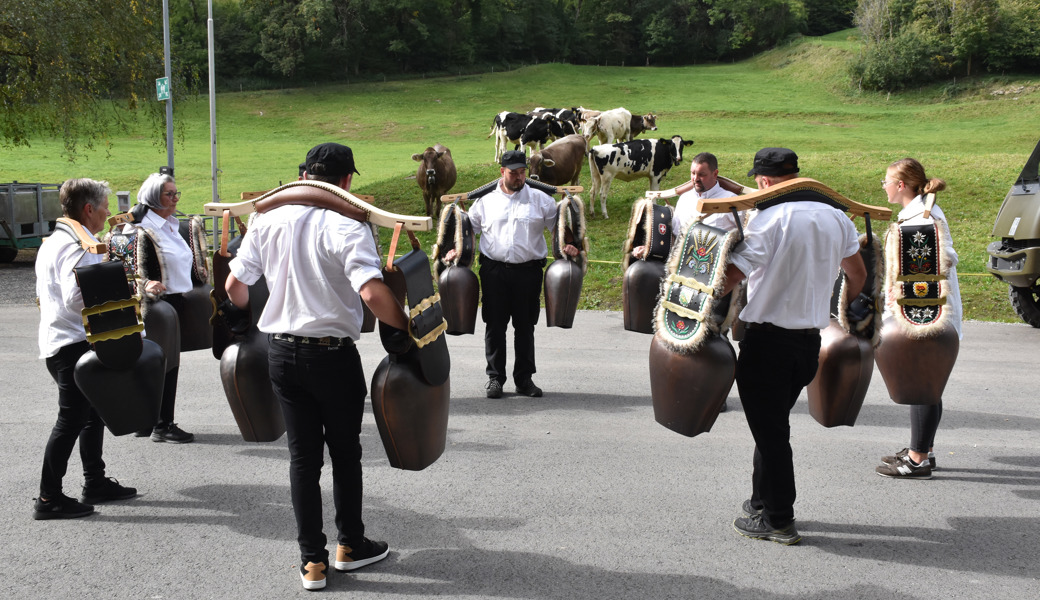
156, 204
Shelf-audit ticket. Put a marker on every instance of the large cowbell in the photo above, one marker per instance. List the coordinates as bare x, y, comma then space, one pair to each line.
692, 366
246, 377
456, 281
649, 226
122, 376
411, 391
564, 276
846, 364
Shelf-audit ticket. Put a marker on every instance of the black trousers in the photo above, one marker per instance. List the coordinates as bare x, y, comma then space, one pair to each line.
924, 422
322, 393
77, 420
169, 398
772, 369
510, 293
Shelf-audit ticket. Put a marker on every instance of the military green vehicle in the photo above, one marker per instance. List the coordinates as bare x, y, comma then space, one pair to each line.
1015, 259
28, 212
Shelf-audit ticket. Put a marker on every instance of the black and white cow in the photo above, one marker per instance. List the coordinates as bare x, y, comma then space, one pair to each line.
631, 160
566, 117
523, 130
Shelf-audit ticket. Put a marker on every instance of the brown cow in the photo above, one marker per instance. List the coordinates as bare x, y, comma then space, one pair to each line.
647, 122
436, 175
560, 162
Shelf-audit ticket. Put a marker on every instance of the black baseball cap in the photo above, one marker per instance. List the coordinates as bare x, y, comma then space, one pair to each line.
514, 159
330, 159
774, 162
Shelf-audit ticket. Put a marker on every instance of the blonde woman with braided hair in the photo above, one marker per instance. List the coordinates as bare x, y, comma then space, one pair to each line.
907, 185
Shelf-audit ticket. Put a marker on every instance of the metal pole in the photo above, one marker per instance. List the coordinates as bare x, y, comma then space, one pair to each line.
212, 103
169, 103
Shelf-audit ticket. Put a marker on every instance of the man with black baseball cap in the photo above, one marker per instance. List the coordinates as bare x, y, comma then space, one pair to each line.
330, 159
775, 162
320, 267
790, 256
511, 221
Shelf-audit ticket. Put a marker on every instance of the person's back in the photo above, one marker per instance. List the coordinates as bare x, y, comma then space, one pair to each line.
792, 256
311, 254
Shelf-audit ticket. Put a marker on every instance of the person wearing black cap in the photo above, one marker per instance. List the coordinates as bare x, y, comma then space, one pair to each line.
320, 266
511, 221
790, 257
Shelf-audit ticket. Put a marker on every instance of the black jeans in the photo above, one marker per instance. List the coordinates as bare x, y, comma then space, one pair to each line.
772, 369
76, 420
510, 292
322, 393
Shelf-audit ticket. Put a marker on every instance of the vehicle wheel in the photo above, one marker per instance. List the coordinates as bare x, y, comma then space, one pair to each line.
1026, 304
7, 254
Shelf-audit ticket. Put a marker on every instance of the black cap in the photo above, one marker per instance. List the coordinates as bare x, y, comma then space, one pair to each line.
774, 161
330, 159
514, 159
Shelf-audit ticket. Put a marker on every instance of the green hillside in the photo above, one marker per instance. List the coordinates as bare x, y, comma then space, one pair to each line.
975, 135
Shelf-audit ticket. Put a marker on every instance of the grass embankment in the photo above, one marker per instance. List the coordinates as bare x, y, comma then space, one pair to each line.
796, 96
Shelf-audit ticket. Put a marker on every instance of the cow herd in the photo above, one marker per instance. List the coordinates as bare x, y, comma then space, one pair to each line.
558, 141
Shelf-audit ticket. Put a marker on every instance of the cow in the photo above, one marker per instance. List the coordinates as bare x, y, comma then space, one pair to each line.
560, 162
647, 122
567, 118
584, 114
610, 126
631, 160
436, 175
522, 130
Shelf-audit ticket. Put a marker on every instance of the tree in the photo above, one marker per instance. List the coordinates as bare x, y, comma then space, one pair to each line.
75, 68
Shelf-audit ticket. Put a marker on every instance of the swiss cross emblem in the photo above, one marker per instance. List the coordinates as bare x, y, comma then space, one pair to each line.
662, 228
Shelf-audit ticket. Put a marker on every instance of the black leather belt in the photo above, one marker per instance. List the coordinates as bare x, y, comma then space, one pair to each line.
777, 329
531, 264
327, 341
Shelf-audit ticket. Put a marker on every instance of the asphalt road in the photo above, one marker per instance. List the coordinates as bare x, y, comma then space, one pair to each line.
579, 494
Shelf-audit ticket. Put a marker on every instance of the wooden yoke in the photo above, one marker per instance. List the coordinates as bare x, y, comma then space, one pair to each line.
799, 189
320, 195
724, 182
556, 189
83, 237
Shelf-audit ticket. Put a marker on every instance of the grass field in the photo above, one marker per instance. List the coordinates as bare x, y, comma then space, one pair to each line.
797, 96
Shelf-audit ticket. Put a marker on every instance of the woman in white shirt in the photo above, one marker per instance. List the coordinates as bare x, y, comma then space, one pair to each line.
906, 185
159, 195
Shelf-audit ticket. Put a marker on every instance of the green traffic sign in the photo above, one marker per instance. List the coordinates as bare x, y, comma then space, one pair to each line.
162, 88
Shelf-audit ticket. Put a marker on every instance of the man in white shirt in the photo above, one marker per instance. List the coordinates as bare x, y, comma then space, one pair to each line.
790, 257
320, 266
704, 172
63, 341
511, 221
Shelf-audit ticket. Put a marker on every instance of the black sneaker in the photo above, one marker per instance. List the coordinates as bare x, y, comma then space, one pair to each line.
756, 528
749, 509
61, 507
725, 407
312, 575
361, 554
172, 434
528, 388
494, 388
898, 456
106, 490
905, 469
147, 431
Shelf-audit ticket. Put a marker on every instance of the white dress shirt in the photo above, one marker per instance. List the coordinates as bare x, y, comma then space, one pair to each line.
686, 210
177, 257
512, 226
913, 214
316, 262
61, 300
791, 256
